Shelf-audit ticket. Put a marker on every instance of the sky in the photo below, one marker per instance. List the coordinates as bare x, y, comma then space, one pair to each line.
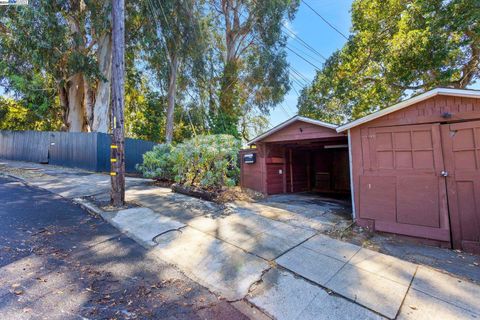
319, 35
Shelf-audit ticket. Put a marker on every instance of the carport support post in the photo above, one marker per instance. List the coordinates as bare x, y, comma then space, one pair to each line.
117, 150
291, 171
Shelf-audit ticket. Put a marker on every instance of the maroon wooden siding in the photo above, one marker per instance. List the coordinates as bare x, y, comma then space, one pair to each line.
272, 174
252, 174
397, 162
300, 130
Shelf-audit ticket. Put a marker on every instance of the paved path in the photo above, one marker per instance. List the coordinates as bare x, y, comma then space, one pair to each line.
58, 262
283, 266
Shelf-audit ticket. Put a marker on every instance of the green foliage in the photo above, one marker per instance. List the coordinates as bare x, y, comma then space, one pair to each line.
43, 45
18, 115
145, 113
158, 163
208, 161
254, 70
397, 48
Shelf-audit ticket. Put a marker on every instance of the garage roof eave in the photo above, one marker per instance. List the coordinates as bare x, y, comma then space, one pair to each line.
289, 121
429, 94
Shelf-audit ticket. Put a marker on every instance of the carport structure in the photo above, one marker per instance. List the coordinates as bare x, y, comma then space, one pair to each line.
299, 155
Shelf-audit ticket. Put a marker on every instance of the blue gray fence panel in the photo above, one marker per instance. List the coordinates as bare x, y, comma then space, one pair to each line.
103, 152
134, 150
90, 151
24, 145
73, 149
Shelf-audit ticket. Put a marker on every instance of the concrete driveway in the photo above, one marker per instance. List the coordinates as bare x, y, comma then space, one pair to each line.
278, 259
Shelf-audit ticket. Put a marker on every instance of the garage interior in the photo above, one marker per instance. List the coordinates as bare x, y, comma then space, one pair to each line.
299, 155
308, 166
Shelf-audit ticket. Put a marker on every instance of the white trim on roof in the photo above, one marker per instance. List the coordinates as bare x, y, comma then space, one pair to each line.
429, 94
290, 121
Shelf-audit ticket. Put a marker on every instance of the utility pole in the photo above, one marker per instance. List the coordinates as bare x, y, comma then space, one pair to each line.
117, 148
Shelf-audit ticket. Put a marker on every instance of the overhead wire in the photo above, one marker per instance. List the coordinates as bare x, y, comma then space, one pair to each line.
303, 58
294, 36
325, 20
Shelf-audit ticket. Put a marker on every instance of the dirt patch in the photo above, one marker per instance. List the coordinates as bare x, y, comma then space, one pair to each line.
163, 183
105, 204
239, 194
223, 195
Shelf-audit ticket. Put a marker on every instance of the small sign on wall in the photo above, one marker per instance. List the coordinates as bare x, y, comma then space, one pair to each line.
250, 158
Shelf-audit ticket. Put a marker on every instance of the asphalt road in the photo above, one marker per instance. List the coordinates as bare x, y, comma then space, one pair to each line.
59, 262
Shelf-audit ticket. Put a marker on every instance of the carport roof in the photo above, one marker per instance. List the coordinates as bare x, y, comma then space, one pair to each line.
290, 121
406, 103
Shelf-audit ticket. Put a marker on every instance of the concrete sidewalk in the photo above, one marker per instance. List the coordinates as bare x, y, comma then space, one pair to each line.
256, 253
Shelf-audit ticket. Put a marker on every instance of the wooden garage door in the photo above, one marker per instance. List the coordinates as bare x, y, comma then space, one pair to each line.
402, 188
461, 149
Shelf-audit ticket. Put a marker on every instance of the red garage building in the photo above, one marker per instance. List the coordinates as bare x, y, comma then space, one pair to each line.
416, 168
300, 154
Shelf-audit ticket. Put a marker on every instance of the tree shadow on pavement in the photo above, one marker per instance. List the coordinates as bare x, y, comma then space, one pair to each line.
66, 264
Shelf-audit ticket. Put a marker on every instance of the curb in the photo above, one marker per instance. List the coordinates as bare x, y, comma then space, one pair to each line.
89, 206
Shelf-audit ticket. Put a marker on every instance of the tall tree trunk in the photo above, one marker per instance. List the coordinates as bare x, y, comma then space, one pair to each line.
101, 119
76, 108
228, 114
89, 104
63, 96
172, 90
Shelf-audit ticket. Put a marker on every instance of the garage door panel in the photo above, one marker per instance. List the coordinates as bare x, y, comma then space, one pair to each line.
461, 146
403, 140
403, 189
418, 201
422, 139
378, 198
406, 147
467, 210
423, 160
404, 160
464, 159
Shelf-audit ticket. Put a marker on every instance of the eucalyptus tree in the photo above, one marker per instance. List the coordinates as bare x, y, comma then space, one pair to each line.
69, 42
396, 48
255, 70
172, 46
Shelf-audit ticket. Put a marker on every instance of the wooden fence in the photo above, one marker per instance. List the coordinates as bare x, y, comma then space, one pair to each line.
90, 151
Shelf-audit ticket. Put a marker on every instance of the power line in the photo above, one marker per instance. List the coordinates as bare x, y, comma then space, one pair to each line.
326, 21
306, 54
295, 80
302, 42
300, 75
303, 58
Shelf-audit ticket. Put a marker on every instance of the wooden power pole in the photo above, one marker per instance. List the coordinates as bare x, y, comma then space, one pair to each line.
117, 151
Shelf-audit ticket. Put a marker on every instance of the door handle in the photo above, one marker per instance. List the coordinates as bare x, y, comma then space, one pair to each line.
444, 173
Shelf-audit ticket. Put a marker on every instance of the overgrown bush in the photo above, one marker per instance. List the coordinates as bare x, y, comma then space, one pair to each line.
157, 164
207, 161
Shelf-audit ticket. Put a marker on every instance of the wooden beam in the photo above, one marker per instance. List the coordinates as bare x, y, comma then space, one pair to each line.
284, 170
309, 158
291, 172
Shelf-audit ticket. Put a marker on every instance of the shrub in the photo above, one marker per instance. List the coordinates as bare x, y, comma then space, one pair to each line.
157, 164
208, 161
